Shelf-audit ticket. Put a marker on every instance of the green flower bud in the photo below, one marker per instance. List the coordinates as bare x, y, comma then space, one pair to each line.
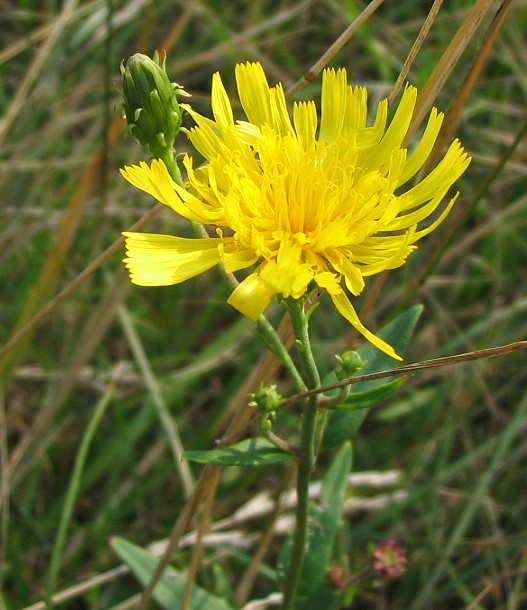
151, 107
266, 400
348, 364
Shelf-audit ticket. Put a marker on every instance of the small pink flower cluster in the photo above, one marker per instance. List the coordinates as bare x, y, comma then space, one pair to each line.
389, 559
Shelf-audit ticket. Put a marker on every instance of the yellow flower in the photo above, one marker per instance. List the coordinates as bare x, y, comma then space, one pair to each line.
301, 201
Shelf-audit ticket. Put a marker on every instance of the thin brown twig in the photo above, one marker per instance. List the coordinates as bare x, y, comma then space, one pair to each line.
468, 83
341, 41
425, 364
416, 47
198, 545
247, 581
447, 62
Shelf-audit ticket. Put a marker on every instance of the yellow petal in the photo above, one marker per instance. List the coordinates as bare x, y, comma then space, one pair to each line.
207, 140
287, 281
412, 218
253, 92
379, 123
287, 275
352, 273
279, 113
251, 297
238, 259
162, 260
155, 180
379, 156
221, 106
345, 308
305, 120
333, 104
422, 151
356, 108
329, 281
199, 118
420, 234
448, 170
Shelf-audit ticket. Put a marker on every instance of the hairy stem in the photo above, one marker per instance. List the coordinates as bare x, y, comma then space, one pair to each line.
307, 451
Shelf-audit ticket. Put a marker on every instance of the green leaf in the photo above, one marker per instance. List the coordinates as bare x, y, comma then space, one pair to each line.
169, 590
369, 398
398, 334
321, 598
325, 518
410, 404
250, 452
343, 425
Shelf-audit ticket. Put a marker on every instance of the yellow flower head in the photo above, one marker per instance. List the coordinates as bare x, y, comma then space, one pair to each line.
302, 200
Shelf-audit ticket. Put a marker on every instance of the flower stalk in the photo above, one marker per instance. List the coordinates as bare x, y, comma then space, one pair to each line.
307, 458
275, 344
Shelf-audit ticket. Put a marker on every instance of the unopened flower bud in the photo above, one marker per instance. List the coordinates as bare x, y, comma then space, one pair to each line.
348, 364
266, 400
337, 576
151, 107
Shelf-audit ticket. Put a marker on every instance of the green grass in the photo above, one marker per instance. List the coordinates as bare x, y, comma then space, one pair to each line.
171, 360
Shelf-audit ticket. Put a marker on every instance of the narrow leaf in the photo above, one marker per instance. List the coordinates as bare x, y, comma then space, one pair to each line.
343, 425
249, 452
369, 398
398, 334
169, 590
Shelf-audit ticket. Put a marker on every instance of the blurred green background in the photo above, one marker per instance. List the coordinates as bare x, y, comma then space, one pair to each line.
456, 434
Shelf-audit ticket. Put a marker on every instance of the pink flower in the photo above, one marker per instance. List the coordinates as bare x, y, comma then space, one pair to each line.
389, 559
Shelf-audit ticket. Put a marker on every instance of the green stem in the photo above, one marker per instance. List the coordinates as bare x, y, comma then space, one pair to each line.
307, 451
273, 341
166, 154
298, 317
303, 477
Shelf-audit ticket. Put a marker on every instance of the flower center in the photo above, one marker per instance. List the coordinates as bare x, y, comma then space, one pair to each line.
314, 197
